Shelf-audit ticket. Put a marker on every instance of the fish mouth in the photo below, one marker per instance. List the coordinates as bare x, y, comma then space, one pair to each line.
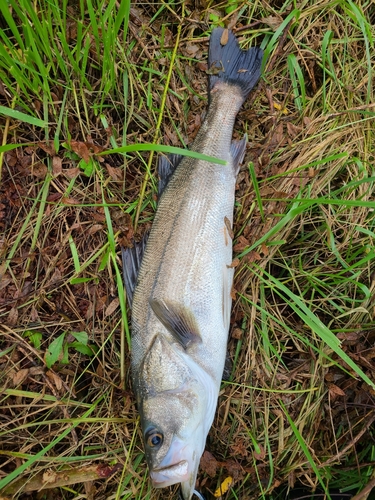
166, 476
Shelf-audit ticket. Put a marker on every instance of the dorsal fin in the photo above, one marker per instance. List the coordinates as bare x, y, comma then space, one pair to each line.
178, 320
131, 262
166, 166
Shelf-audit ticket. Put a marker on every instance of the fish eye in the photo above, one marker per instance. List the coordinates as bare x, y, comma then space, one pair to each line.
154, 438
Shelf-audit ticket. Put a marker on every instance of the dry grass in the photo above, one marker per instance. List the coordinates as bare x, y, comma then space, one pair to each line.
293, 412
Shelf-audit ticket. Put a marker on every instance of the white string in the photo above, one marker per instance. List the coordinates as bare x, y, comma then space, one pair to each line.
196, 493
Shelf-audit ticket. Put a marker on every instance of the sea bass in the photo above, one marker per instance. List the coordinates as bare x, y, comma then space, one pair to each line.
181, 302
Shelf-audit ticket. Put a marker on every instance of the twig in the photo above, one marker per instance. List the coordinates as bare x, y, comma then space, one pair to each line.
363, 495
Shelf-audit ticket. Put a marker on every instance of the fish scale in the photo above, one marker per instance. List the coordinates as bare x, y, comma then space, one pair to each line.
181, 302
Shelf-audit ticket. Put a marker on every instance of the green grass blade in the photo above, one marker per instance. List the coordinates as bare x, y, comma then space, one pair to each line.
18, 115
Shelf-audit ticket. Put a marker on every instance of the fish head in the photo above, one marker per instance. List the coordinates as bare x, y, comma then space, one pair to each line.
177, 401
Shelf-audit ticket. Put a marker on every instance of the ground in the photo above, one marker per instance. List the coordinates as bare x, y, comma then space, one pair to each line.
86, 89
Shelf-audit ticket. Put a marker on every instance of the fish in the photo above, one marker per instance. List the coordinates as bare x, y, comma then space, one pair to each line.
179, 281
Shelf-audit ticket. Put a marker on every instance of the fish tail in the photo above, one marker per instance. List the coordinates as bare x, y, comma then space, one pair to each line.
228, 63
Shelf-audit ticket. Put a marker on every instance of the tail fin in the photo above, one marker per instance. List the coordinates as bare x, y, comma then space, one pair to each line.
229, 63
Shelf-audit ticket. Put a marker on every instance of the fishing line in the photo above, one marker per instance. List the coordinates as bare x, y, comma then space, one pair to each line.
197, 494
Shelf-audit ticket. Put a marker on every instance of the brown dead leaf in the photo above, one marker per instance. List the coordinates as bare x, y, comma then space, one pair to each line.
235, 263
20, 376
293, 130
191, 49
237, 333
272, 21
94, 229
69, 201
100, 302
241, 244
47, 148
36, 370
239, 448
81, 149
34, 315
252, 256
55, 379
277, 137
202, 66
115, 173
72, 172
56, 166
53, 197
98, 217
93, 148
56, 276
224, 37
112, 307
209, 464
13, 316
334, 390
39, 170
261, 455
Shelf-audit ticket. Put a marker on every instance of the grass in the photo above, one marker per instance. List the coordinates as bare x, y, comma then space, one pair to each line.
90, 92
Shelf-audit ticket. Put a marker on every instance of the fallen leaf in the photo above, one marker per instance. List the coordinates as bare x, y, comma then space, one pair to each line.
39, 170
224, 37
55, 379
293, 130
209, 464
241, 244
72, 172
20, 376
112, 307
13, 316
273, 22
56, 166
49, 149
81, 149
334, 390
94, 229
53, 197
115, 173
237, 333
69, 201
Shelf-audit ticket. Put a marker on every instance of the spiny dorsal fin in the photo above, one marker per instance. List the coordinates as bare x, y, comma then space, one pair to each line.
131, 262
166, 166
178, 320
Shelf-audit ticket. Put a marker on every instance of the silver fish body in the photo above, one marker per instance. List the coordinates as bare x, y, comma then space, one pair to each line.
182, 301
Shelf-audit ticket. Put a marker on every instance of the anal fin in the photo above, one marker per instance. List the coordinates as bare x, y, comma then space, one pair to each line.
166, 166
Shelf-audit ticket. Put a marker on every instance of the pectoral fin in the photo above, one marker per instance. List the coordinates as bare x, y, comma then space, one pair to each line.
178, 320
